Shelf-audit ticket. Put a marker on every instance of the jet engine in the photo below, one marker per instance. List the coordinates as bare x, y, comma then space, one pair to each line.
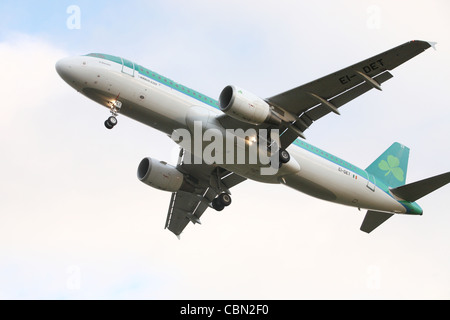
162, 176
245, 106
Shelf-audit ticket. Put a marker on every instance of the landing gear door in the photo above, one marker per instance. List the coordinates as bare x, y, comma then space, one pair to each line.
128, 67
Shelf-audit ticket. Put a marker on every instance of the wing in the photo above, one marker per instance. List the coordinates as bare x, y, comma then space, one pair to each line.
305, 104
209, 181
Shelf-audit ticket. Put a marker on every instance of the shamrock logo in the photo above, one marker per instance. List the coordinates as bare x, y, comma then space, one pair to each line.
392, 166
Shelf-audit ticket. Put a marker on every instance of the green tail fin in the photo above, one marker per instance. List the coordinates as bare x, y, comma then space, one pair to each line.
391, 166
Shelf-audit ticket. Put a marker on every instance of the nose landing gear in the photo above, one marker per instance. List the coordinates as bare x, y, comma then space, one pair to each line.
111, 122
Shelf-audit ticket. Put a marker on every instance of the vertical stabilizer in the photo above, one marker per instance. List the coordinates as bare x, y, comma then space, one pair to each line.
391, 166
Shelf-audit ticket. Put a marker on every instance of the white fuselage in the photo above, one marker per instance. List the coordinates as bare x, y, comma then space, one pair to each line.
157, 103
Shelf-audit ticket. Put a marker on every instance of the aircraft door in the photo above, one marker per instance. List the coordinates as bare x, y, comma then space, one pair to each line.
371, 182
128, 67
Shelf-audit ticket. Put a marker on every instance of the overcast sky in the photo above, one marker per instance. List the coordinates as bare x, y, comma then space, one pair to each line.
75, 223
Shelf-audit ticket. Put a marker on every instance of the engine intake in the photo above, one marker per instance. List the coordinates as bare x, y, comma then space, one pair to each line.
162, 176
245, 106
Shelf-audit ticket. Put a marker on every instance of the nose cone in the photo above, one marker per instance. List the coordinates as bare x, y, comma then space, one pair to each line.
63, 67
74, 71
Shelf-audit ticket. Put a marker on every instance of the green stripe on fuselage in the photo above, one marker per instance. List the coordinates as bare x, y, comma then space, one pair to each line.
161, 79
321, 153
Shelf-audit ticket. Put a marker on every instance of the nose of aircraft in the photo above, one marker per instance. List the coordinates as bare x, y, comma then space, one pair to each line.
73, 71
63, 68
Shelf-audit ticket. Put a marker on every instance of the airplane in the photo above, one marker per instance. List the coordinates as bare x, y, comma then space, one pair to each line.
228, 128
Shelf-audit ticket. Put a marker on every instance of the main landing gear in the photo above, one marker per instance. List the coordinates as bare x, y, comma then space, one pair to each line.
223, 200
284, 156
111, 122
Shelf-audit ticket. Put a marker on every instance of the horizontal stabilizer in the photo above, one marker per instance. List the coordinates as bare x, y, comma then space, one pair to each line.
416, 190
373, 220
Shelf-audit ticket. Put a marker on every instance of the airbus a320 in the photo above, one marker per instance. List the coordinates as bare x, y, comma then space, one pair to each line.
242, 136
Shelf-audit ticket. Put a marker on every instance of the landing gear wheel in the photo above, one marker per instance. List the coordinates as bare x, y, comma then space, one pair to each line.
108, 125
111, 122
224, 199
284, 156
217, 205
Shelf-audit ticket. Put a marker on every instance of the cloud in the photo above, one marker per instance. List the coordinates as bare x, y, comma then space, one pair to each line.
72, 208
25, 74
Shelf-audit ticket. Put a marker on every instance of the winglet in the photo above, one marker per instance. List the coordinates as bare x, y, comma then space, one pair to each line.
432, 44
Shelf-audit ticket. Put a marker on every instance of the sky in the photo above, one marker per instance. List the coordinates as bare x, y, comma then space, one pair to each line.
75, 222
